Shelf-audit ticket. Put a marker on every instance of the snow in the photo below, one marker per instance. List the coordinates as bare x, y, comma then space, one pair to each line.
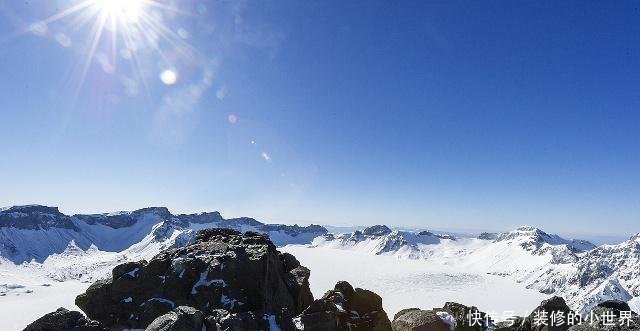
404, 283
634, 304
229, 302
273, 325
17, 309
447, 319
133, 273
203, 282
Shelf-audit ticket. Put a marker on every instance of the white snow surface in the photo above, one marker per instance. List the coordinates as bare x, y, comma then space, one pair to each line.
447, 319
404, 283
577, 270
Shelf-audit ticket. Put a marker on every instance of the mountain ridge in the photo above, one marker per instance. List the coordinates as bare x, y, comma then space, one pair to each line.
36, 232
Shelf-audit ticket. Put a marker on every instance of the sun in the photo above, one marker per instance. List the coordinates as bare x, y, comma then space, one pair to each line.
122, 10
123, 36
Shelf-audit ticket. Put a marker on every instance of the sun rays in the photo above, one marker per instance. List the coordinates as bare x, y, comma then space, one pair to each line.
121, 33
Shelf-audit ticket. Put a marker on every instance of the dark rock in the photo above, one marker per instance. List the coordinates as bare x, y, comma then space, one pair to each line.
346, 309
64, 320
35, 217
345, 288
414, 319
364, 301
467, 318
510, 325
180, 319
488, 236
242, 274
377, 230
403, 311
248, 321
202, 218
124, 219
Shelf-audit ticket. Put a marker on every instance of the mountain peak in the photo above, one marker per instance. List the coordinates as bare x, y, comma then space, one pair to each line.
32, 209
530, 237
126, 218
528, 228
376, 230
34, 217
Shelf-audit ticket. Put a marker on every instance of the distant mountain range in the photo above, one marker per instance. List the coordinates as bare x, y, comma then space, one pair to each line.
42, 240
583, 273
35, 232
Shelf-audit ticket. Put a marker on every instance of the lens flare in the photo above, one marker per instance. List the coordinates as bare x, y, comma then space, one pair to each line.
169, 77
122, 33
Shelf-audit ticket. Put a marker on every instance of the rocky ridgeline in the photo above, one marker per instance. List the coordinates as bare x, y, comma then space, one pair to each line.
232, 281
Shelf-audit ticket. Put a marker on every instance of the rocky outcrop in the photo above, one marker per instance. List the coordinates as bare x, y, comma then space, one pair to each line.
35, 217
414, 319
224, 280
376, 230
451, 317
223, 273
180, 319
64, 320
345, 309
466, 318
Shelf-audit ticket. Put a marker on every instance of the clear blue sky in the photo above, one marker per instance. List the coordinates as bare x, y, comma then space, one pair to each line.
438, 114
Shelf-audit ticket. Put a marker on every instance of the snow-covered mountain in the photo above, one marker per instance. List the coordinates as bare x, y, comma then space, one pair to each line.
606, 272
380, 239
37, 232
576, 269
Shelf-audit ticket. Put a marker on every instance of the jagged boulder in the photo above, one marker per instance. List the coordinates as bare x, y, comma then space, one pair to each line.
414, 319
64, 320
510, 325
249, 321
223, 272
346, 309
182, 318
466, 318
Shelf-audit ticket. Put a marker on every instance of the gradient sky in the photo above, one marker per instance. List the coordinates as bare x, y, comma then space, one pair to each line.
437, 114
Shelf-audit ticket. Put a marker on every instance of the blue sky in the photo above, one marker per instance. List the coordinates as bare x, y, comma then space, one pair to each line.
447, 114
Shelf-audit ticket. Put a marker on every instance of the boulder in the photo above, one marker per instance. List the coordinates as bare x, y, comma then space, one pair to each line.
415, 319
64, 320
346, 309
466, 318
222, 272
182, 318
